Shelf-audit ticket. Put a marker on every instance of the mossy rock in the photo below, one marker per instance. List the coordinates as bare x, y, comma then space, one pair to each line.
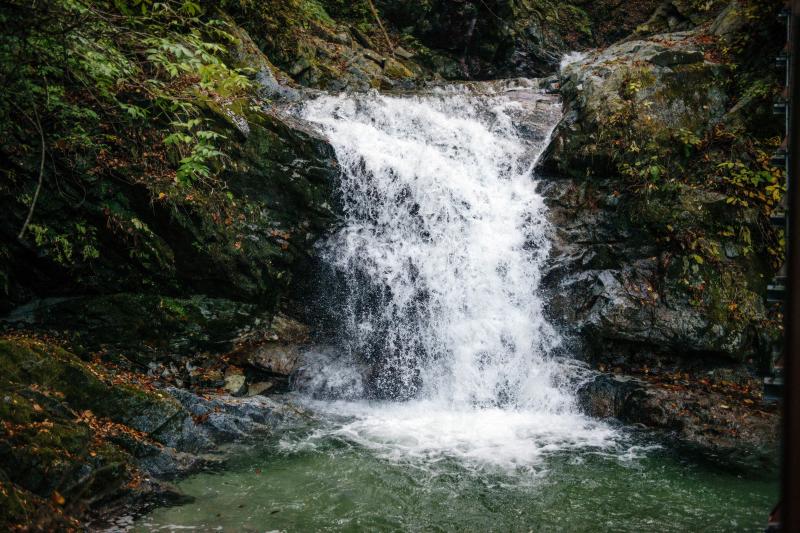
146, 327
396, 69
31, 362
56, 416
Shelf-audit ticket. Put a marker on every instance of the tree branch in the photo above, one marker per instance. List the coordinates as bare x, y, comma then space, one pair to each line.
38, 125
380, 24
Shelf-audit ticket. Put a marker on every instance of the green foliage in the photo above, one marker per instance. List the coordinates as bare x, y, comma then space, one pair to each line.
751, 184
78, 243
119, 67
575, 18
353, 10
122, 90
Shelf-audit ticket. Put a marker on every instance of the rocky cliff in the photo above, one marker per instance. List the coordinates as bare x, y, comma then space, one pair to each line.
661, 189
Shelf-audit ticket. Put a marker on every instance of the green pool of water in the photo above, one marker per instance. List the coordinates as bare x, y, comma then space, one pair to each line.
329, 483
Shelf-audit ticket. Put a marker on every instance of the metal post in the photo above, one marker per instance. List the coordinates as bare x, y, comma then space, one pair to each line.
791, 413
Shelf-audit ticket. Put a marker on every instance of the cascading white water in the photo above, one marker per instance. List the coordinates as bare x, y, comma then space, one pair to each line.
442, 252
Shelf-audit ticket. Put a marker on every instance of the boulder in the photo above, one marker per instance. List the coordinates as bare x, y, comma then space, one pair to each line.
276, 358
273, 358
255, 389
677, 87
235, 384
704, 417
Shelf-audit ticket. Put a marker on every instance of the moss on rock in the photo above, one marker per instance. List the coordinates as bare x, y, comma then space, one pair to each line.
658, 124
59, 418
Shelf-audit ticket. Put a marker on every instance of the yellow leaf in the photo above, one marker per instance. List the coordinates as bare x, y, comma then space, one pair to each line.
57, 498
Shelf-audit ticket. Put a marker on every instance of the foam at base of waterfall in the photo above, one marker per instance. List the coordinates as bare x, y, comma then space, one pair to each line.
424, 432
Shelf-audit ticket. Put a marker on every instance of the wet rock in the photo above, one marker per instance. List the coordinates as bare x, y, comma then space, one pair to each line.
730, 21
235, 384
606, 396
289, 330
670, 58
485, 40
213, 378
273, 84
277, 357
611, 290
403, 53
254, 389
362, 38
373, 56
395, 69
227, 419
300, 66
709, 421
274, 358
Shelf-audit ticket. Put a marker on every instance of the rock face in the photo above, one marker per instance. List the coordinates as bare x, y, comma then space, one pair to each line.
659, 187
647, 253
280, 181
618, 288
146, 327
341, 50
335, 45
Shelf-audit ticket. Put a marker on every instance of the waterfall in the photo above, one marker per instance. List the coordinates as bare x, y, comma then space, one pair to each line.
440, 257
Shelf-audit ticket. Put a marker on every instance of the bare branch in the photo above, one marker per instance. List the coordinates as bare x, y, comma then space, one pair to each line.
38, 125
380, 24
